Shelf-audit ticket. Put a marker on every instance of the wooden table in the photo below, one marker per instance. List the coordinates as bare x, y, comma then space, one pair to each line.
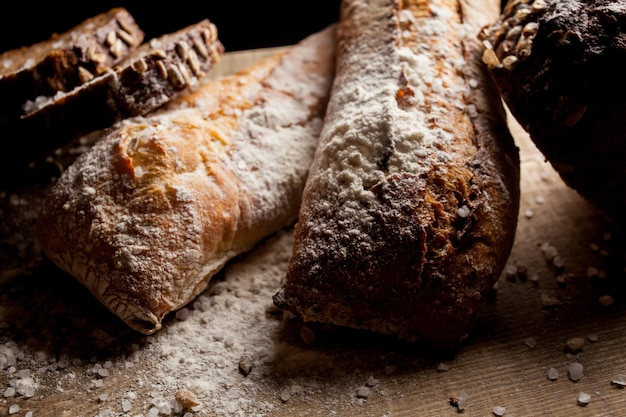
58, 342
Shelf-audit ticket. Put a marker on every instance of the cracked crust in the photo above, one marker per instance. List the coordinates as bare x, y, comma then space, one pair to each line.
409, 212
160, 203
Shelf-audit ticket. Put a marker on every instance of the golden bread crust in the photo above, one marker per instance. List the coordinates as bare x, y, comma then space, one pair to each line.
160, 203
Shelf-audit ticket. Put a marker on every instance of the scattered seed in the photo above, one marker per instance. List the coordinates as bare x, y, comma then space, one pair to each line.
534, 278
553, 374
363, 392
187, 398
548, 300
499, 411
583, 398
549, 251
605, 300
245, 364
442, 367
460, 402
593, 337
371, 382
285, 395
530, 342
574, 345
558, 262
619, 380
529, 213
510, 272
575, 371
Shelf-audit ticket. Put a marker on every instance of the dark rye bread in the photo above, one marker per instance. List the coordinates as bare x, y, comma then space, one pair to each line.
559, 68
66, 60
410, 207
146, 79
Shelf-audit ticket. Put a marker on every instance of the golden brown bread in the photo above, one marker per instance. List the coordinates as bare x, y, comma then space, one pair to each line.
410, 208
161, 203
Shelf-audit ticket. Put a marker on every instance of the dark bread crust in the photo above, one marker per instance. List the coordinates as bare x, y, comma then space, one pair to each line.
145, 80
417, 258
66, 60
558, 66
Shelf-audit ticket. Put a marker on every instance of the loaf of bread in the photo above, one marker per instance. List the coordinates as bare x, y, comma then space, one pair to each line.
558, 65
161, 203
410, 208
146, 79
65, 60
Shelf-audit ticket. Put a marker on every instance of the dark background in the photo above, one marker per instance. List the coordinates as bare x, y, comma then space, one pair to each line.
241, 24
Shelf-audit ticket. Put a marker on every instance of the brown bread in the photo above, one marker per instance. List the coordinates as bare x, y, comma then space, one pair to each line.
410, 209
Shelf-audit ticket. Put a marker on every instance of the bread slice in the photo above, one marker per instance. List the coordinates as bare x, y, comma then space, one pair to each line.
410, 208
146, 79
66, 60
161, 203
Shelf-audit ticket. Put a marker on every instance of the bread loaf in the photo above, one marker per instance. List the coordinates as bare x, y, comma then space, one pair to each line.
160, 203
65, 60
145, 80
410, 207
558, 65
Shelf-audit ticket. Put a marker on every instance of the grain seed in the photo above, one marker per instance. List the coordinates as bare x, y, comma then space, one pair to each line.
575, 371
583, 398
553, 374
499, 411
574, 345
619, 380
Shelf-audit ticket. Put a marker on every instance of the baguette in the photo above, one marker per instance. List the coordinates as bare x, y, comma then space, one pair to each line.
146, 79
66, 60
161, 203
410, 208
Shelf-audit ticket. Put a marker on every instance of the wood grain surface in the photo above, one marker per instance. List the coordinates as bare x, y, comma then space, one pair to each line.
540, 303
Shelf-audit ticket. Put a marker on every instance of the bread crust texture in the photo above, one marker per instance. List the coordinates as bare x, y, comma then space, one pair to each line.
410, 209
558, 66
147, 78
161, 203
66, 60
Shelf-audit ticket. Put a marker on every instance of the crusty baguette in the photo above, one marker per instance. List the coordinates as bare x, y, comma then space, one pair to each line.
145, 80
410, 208
66, 60
559, 67
162, 202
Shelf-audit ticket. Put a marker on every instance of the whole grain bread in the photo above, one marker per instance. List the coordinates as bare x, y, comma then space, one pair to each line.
157, 207
558, 66
146, 79
410, 209
66, 60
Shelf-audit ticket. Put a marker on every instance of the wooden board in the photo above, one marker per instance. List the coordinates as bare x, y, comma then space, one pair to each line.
61, 354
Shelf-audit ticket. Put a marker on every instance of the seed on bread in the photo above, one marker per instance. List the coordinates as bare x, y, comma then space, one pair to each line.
58, 64
146, 79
